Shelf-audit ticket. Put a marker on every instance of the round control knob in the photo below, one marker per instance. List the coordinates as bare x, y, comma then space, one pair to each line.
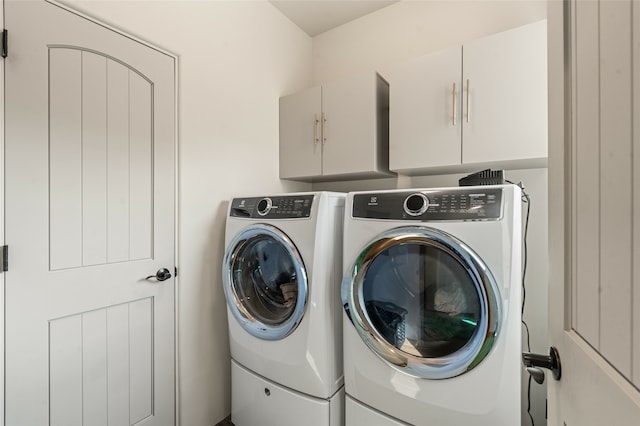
264, 206
416, 204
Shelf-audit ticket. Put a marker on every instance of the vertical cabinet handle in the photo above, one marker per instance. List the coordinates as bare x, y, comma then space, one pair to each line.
315, 129
324, 136
453, 96
468, 104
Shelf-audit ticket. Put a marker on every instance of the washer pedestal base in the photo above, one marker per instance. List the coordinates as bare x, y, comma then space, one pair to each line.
258, 401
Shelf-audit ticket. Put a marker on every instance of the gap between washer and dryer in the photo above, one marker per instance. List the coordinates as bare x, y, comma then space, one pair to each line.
225, 422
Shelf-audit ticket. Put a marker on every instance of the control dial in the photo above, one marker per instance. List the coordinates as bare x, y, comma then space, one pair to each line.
264, 206
416, 204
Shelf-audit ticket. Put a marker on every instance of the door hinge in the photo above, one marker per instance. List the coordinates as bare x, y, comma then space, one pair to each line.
4, 258
175, 271
5, 43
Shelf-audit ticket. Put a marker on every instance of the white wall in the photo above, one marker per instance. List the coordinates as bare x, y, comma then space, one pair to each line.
412, 28
235, 59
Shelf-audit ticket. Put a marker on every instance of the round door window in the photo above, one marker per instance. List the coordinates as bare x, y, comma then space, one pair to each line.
423, 301
265, 282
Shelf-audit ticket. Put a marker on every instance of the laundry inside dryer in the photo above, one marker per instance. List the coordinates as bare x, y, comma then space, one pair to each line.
265, 279
422, 300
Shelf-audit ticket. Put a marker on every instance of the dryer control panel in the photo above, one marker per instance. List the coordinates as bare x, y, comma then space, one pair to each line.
276, 207
437, 204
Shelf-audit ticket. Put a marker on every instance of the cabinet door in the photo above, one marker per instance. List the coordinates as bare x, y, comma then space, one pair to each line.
505, 96
425, 112
300, 144
350, 130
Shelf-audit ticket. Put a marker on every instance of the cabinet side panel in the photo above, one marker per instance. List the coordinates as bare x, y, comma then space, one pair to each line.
382, 137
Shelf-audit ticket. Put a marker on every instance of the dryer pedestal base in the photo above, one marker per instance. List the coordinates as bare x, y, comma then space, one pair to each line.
361, 415
258, 401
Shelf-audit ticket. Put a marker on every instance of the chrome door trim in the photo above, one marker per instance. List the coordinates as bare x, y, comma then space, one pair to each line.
234, 302
467, 357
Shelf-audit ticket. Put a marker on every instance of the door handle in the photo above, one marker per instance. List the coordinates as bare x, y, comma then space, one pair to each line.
163, 274
315, 128
324, 124
453, 97
533, 363
468, 104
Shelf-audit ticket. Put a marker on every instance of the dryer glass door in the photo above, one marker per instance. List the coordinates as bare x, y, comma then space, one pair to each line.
424, 301
265, 282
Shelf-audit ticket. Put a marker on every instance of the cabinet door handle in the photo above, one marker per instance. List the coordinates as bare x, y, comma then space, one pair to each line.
315, 129
453, 96
468, 103
324, 121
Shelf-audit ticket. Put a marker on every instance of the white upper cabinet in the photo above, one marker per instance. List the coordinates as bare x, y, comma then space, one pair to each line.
480, 105
337, 131
300, 134
506, 75
425, 111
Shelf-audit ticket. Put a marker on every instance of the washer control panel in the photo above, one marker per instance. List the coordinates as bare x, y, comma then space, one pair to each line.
463, 203
276, 207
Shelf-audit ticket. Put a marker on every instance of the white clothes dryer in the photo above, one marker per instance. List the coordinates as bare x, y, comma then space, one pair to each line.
432, 307
282, 270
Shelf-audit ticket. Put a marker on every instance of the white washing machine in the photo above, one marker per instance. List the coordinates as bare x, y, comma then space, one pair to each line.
281, 274
432, 302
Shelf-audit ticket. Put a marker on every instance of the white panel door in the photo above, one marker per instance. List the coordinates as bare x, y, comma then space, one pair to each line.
594, 312
90, 143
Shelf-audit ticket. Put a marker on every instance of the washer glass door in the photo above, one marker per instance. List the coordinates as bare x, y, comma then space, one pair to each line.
423, 301
265, 282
